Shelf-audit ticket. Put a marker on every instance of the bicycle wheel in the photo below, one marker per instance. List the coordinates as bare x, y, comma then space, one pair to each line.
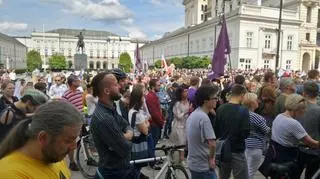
87, 159
177, 172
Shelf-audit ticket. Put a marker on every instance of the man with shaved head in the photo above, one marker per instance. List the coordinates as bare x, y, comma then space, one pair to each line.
111, 133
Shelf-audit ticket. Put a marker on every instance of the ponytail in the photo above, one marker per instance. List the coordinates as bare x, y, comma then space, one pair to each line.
15, 139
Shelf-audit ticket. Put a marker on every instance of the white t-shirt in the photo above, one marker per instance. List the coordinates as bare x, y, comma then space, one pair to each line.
141, 117
287, 131
91, 103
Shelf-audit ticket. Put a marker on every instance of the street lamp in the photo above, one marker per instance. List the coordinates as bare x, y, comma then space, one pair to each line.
279, 34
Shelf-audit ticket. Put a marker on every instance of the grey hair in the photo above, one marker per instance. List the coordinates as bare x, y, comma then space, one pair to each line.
286, 82
51, 117
295, 102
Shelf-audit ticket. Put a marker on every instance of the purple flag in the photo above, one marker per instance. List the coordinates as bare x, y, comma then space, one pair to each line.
219, 56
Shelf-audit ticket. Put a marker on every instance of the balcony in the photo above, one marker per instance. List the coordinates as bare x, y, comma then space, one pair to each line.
269, 51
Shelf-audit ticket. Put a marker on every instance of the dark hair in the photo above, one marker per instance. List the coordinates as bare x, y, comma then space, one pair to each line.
311, 89
179, 91
97, 83
135, 97
204, 93
205, 81
268, 76
153, 83
239, 79
51, 117
5, 84
238, 90
194, 80
312, 74
41, 87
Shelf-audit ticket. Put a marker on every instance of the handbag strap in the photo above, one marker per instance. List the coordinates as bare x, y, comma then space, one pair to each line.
133, 119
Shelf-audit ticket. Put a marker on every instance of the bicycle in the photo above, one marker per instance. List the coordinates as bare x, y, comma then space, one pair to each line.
87, 156
170, 168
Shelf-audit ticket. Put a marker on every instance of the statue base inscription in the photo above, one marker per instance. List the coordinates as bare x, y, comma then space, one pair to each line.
80, 61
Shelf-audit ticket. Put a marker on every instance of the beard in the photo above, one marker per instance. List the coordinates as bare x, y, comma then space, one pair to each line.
115, 97
50, 155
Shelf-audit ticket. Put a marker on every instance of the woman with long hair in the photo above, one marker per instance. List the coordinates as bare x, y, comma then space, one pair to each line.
180, 113
139, 121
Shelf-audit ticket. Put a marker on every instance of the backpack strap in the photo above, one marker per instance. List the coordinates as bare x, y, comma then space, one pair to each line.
9, 109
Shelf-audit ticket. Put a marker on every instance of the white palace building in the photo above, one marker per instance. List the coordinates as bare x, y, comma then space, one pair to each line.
102, 48
252, 29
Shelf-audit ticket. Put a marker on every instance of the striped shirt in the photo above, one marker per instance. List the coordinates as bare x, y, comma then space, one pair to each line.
258, 131
75, 98
107, 128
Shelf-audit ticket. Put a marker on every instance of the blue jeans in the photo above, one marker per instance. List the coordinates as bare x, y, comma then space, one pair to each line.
113, 173
167, 128
156, 133
211, 174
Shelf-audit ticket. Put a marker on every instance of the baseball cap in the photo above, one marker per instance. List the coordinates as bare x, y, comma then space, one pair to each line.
37, 97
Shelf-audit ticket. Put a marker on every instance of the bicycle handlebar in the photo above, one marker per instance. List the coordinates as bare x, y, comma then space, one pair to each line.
165, 148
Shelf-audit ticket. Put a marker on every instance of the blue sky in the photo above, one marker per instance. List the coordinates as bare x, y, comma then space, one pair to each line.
135, 18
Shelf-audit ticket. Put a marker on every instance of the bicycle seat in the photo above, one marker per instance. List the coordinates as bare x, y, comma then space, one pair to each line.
282, 168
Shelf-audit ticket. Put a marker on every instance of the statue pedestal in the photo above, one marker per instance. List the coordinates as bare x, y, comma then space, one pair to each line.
80, 61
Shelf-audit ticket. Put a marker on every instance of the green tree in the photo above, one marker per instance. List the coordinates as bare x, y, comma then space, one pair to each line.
33, 60
69, 64
125, 62
57, 62
157, 63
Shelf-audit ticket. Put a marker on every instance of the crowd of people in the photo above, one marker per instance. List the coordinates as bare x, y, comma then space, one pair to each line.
238, 123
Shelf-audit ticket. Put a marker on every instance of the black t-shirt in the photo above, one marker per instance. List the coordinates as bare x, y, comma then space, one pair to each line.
18, 116
232, 122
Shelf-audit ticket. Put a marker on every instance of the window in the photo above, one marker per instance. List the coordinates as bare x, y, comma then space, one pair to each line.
98, 53
267, 41
289, 42
53, 51
191, 46
288, 64
91, 53
230, 6
62, 51
249, 39
69, 52
245, 63
266, 64
112, 65
46, 52
309, 12
38, 49
308, 36
112, 54
105, 54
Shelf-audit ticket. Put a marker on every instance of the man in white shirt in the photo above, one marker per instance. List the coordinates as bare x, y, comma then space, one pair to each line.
57, 89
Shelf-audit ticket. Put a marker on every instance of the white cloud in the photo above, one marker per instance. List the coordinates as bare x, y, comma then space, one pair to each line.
135, 32
167, 2
103, 10
12, 26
